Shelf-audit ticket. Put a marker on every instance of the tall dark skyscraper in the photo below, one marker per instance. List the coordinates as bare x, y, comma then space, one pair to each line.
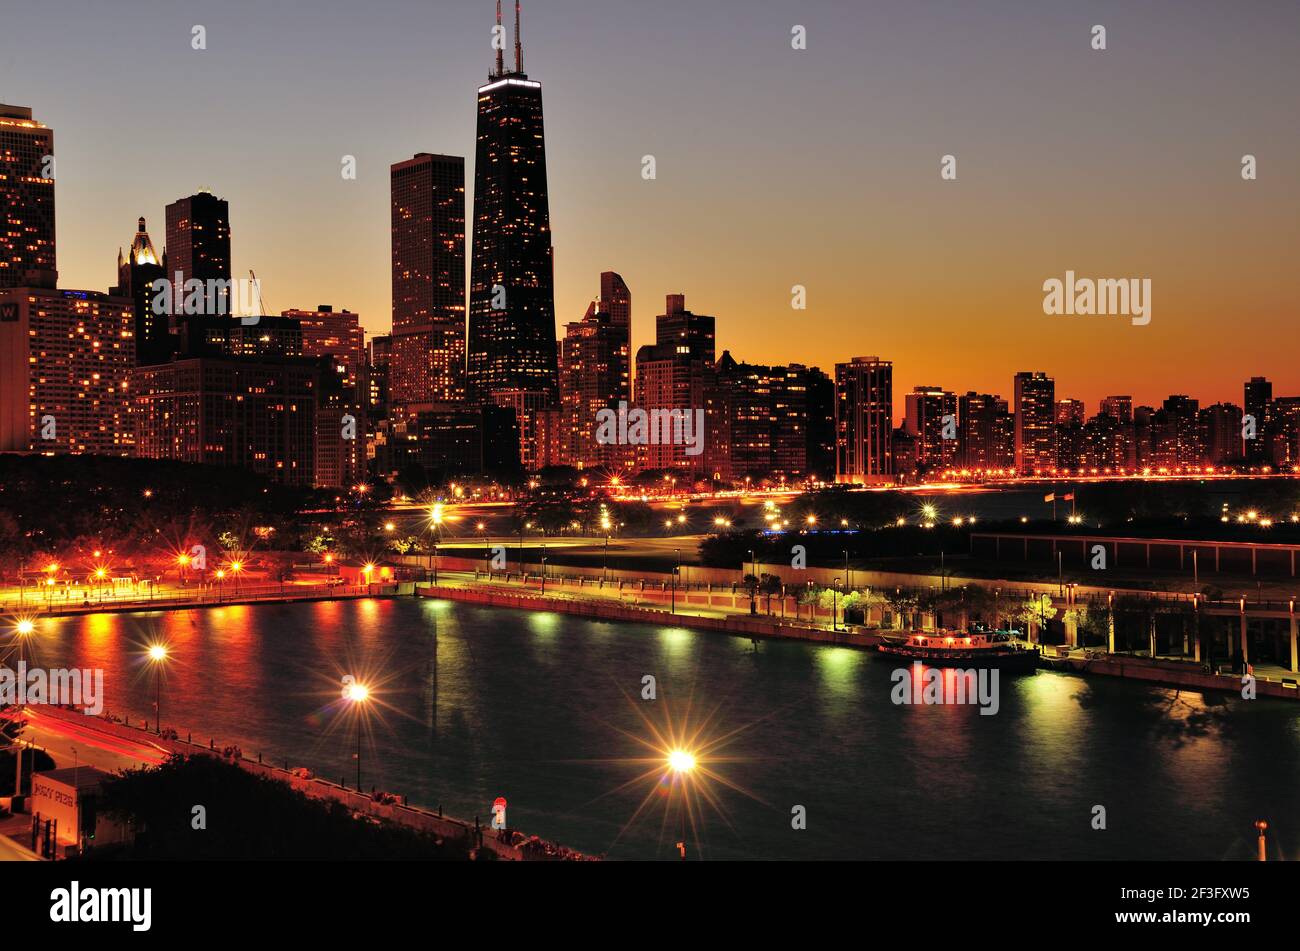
864, 420
512, 294
136, 272
27, 250
1035, 422
1258, 404
198, 242
428, 216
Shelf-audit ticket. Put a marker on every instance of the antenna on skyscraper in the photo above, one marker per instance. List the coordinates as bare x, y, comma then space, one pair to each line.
519, 49
500, 39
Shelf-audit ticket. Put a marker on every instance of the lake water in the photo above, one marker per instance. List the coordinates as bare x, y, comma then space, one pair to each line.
472, 703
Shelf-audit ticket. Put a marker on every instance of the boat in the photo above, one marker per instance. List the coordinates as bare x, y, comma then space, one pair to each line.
976, 648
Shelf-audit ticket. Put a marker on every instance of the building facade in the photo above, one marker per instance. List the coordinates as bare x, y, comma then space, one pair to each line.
428, 271
65, 371
27, 247
512, 297
864, 420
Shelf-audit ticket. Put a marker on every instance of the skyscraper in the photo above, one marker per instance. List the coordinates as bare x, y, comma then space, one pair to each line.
987, 432
595, 373
1258, 403
27, 249
1035, 422
924, 417
198, 245
428, 220
864, 420
136, 272
512, 296
65, 371
676, 373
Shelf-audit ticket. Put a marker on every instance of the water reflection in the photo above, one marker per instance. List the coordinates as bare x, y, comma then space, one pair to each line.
473, 703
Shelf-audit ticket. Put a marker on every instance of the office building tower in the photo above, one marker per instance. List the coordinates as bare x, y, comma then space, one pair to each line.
428, 271
65, 371
27, 248
864, 424
1035, 422
512, 298
137, 271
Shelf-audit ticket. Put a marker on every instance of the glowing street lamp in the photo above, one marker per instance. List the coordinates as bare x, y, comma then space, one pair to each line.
358, 694
682, 763
24, 629
157, 657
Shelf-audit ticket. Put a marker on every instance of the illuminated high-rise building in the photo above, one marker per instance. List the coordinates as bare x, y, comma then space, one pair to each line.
1258, 405
864, 420
428, 222
65, 371
986, 432
512, 296
930, 414
1035, 422
198, 246
595, 374
136, 272
27, 249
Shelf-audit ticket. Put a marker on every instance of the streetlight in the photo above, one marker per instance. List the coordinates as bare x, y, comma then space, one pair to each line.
358, 694
678, 568
157, 656
604, 571
543, 569
435, 520
23, 630
682, 763
835, 603
753, 589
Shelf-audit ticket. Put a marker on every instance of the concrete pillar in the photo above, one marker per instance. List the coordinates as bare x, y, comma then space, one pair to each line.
1245, 655
1196, 637
1071, 631
1295, 666
1232, 650
1151, 635
1110, 632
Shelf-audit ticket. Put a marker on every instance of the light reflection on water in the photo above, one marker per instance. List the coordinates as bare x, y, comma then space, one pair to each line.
471, 703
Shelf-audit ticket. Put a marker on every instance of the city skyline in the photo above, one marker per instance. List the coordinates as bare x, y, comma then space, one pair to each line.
927, 264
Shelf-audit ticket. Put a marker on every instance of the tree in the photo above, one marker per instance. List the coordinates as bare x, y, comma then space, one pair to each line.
1035, 611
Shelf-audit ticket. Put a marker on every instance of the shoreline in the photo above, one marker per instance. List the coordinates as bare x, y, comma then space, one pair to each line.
472, 835
1144, 670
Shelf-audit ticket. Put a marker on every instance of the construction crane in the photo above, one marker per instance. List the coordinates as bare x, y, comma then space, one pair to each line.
257, 286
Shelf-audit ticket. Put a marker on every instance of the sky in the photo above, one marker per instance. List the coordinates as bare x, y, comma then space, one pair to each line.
775, 166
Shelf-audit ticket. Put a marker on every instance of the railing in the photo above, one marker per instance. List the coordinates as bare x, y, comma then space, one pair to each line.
207, 597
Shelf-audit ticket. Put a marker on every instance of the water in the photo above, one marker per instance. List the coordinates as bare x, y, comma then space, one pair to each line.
535, 707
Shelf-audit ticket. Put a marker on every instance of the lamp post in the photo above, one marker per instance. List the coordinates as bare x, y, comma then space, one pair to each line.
543, 569
158, 656
358, 693
676, 569
848, 583
835, 604
754, 587
435, 522
604, 571
683, 764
